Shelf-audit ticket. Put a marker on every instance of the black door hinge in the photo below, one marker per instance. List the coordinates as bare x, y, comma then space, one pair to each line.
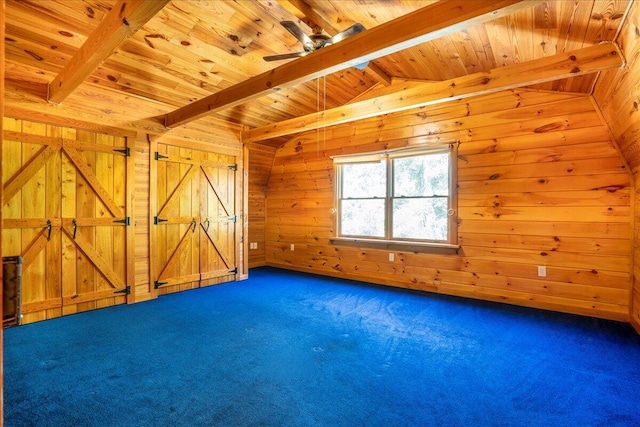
159, 156
234, 271
233, 167
126, 151
232, 219
126, 221
126, 291
157, 220
157, 284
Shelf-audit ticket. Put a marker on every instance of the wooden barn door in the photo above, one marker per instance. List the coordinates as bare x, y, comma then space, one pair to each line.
218, 237
31, 214
194, 223
66, 215
94, 220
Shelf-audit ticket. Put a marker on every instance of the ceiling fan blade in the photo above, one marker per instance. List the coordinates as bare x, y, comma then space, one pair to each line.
293, 28
352, 30
285, 56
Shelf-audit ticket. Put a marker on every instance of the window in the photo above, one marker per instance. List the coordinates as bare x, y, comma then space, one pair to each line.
403, 195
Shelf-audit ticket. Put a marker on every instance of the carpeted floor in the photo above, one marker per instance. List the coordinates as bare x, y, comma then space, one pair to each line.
290, 349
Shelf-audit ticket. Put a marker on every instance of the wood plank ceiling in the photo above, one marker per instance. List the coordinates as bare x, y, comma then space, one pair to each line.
189, 50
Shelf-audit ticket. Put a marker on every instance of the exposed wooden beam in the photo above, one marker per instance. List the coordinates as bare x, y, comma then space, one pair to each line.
584, 61
313, 19
422, 25
122, 22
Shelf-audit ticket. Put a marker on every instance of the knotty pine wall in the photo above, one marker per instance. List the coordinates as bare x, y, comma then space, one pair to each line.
260, 164
540, 183
617, 94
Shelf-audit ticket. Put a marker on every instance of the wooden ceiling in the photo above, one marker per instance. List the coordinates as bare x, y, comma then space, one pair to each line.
187, 50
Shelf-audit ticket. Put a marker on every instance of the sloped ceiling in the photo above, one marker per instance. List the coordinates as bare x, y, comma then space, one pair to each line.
189, 50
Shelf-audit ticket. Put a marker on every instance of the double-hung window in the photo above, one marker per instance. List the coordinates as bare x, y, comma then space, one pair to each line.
405, 195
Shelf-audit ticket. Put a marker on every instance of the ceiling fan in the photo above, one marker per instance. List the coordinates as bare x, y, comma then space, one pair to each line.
315, 41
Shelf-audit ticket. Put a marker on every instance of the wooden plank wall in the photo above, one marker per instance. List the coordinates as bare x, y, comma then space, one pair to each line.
260, 164
2, 53
617, 93
540, 184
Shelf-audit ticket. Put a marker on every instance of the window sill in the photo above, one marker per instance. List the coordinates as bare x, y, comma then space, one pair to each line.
396, 245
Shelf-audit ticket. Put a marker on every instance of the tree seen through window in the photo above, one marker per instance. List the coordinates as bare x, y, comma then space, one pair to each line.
399, 196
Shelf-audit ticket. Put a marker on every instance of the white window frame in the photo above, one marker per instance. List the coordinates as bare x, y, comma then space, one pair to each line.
388, 156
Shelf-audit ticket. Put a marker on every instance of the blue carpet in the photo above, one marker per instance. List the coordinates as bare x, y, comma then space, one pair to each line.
290, 349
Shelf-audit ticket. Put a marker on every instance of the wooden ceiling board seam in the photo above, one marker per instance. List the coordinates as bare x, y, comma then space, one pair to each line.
605, 21
45, 35
499, 38
223, 38
570, 35
448, 58
73, 16
169, 72
466, 53
174, 17
141, 90
35, 55
198, 44
479, 40
16, 71
128, 66
521, 35
546, 30
265, 19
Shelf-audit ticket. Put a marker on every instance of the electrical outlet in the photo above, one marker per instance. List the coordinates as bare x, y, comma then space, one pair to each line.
542, 271
293, 247
392, 256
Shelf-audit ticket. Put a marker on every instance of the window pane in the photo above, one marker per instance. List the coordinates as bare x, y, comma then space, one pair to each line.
420, 218
364, 180
362, 218
421, 176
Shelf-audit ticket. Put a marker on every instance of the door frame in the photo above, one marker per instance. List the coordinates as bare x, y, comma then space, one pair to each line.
240, 191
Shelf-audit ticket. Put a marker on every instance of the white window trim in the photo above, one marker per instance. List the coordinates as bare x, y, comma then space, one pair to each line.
400, 244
